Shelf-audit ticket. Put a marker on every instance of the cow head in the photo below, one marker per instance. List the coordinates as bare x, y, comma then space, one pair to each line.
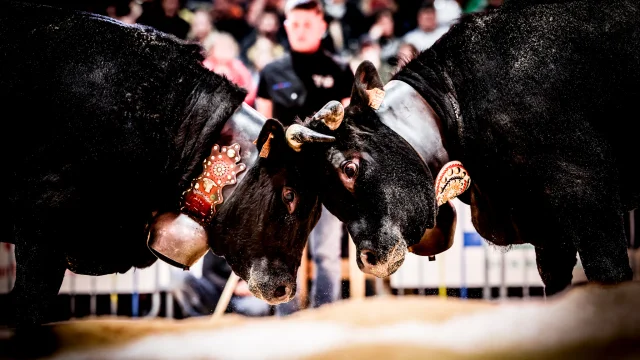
263, 227
266, 215
382, 187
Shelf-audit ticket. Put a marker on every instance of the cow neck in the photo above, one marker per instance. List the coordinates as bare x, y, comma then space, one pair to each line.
409, 115
225, 167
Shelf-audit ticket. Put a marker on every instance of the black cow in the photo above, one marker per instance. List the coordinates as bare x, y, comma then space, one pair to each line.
534, 101
108, 124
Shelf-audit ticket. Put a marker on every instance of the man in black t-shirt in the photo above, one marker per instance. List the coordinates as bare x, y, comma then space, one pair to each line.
303, 81
298, 85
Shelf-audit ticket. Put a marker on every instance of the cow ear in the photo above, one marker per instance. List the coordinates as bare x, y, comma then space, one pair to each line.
368, 89
271, 138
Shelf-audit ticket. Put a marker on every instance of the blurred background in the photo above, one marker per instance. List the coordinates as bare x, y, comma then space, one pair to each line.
240, 38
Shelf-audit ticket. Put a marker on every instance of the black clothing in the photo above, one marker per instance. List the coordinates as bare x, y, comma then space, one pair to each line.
301, 84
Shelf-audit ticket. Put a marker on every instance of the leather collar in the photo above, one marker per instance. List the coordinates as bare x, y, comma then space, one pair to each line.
225, 167
405, 112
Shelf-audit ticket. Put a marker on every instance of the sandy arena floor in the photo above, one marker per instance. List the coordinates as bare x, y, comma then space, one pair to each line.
590, 322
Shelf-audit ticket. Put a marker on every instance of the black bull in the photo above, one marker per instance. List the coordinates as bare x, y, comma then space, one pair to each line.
108, 124
536, 102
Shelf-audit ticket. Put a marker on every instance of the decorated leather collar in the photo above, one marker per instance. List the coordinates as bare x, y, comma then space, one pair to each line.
220, 170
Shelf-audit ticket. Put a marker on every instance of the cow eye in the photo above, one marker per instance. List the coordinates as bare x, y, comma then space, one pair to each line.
289, 198
350, 169
288, 195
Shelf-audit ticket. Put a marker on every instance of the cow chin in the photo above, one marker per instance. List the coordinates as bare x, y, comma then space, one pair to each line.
271, 282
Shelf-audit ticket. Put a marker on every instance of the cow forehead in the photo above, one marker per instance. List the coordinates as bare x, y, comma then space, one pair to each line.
336, 157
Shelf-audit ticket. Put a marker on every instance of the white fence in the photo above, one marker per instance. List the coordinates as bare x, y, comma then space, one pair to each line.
473, 263
470, 263
152, 280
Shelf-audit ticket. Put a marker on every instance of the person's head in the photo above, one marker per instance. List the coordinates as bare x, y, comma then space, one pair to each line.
427, 20
201, 24
369, 50
305, 25
171, 7
224, 49
384, 19
268, 24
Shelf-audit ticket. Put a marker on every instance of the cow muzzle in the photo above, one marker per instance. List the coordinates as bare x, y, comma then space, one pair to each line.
381, 265
271, 282
178, 240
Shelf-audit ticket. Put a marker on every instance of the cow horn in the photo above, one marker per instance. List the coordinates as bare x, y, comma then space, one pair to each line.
452, 180
298, 135
331, 114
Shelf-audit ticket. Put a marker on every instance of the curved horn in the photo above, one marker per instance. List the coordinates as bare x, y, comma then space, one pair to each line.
298, 135
452, 180
331, 114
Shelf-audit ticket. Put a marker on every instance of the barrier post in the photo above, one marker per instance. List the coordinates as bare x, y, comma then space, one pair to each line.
486, 292
93, 297
356, 277
114, 294
442, 285
525, 278
135, 299
421, 281
503, 275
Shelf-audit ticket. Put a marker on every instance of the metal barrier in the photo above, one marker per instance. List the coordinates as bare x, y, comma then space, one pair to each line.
473, 263
470, 263
153, 280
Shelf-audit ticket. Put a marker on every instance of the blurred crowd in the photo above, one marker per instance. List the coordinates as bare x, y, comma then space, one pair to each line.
240, 37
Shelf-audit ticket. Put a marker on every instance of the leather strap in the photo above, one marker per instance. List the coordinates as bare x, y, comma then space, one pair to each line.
405, 112
220, 170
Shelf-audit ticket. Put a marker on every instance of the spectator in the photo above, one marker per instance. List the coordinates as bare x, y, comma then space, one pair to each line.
268, 30
262, 53
124, 10
371, 7
382, 31
370, 50
427, 31
201, 27
346, 24
229, 17
296, 86
165, 17
199, 296
222, 58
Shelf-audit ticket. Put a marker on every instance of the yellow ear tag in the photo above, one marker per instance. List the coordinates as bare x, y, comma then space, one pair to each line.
266, 147
375, 97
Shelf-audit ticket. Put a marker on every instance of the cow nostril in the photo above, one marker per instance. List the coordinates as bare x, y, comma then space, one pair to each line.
280, 292
368, 257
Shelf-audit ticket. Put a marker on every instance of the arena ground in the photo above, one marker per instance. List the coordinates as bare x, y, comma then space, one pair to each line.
590, 322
